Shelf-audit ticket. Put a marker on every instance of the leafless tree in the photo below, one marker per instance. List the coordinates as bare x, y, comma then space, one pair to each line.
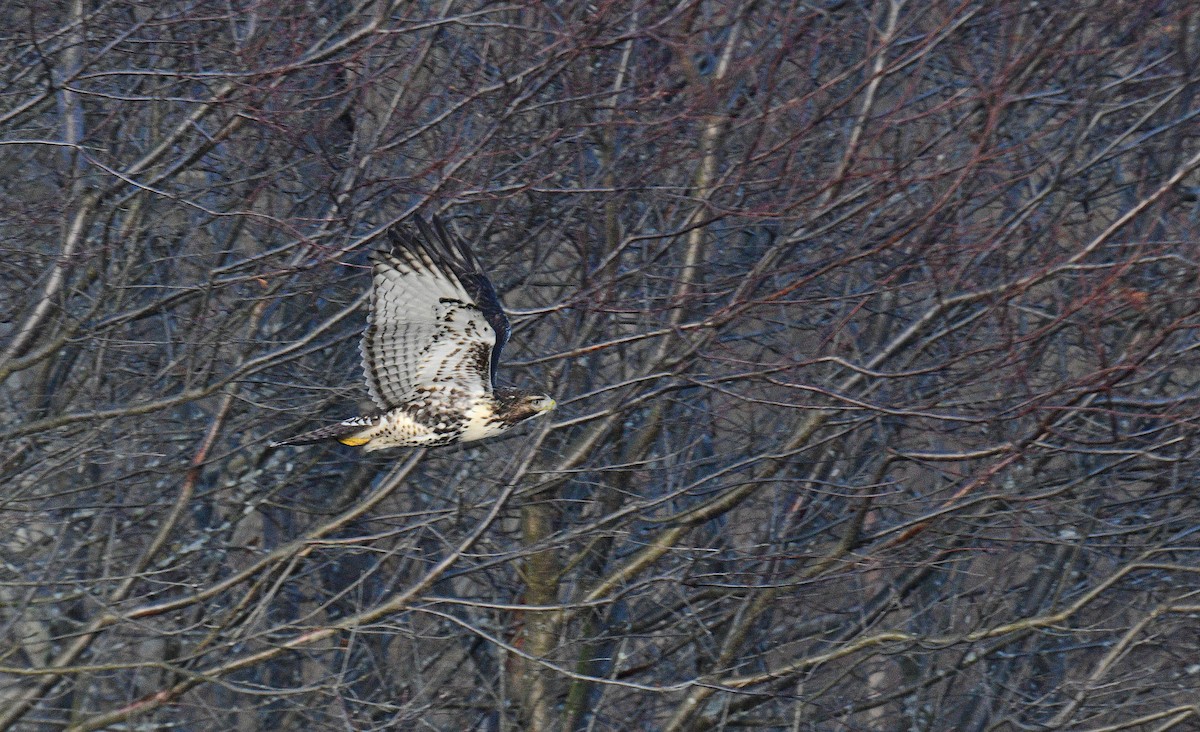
873, 327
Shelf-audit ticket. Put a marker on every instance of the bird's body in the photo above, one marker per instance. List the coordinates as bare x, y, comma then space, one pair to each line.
430, 350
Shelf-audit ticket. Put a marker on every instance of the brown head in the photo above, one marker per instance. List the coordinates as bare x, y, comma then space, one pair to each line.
514, 406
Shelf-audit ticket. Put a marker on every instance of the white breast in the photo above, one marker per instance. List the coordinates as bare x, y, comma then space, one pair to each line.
480, 423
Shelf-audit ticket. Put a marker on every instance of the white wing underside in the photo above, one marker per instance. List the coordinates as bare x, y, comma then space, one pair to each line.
423, 331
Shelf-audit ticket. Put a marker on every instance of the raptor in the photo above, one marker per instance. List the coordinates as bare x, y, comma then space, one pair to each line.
430, 350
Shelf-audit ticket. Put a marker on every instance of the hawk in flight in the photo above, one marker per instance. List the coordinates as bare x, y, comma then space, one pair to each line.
430, 350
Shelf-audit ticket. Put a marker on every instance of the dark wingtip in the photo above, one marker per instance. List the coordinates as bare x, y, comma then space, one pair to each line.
398, 235
434, 240
423, 226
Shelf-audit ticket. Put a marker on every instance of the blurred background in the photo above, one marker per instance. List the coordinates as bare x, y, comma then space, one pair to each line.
873, 327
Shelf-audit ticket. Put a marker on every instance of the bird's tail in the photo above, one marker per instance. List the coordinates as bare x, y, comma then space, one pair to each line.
342, 432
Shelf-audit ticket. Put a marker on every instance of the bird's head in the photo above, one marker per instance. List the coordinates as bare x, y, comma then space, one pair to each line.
518, 406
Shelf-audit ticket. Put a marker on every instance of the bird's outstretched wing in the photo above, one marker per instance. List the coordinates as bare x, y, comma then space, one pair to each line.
435, 319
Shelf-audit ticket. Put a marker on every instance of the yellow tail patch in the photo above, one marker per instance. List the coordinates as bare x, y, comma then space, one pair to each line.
354, 441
